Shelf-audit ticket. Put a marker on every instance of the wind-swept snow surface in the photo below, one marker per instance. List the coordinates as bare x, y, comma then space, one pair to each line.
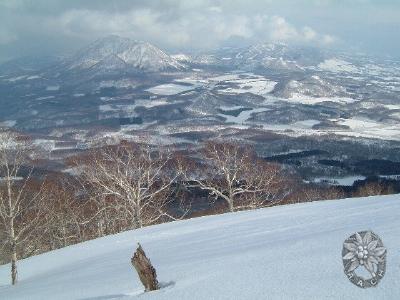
286, 252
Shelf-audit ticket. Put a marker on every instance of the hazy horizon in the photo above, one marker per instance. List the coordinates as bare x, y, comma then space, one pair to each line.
46, 27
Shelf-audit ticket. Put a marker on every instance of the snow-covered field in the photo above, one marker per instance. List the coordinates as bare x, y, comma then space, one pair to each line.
343, 181
45, 98
254, 84
286, 252
303, 99
169, 89
8, 123
337, 65
243, 116
360, 127
53, 88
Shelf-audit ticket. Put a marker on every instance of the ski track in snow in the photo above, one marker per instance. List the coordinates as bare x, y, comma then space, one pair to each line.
284, 252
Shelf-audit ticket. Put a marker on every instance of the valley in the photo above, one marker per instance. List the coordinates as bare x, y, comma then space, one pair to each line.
278, 98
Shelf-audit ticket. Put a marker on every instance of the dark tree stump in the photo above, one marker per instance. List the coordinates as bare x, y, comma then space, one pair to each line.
147, 273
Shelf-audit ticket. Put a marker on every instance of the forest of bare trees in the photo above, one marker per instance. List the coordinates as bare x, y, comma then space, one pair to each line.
241, 179
128, 186
21, 208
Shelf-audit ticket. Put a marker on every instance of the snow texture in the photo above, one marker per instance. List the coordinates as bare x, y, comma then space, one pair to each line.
115, 52
169, 89
370, 129
338, 65
343, 181
285, 252
53, 88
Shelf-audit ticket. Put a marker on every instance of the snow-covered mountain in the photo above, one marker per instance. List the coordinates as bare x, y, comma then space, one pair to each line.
312, 86
284, 252
292, 83
271, 56
114, 52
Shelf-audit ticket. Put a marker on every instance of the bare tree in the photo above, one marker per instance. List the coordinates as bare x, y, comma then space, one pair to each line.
307, 192
237, 176
63, 213
20, 209
372, 189
139, 180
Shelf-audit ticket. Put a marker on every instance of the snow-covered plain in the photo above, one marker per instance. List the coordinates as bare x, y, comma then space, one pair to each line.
304, 99
8, 123
343, 181
53, 88
285, 252
360, 127
169, 89
254, 84
243, 116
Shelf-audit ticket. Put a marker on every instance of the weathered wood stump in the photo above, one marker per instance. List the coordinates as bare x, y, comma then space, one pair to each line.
144, 268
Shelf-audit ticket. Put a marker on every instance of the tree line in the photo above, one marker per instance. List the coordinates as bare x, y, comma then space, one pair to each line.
128, 186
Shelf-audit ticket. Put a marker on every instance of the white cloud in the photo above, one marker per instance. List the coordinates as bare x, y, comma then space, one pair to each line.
143, 24
57, 25
309, 33
328, 39
195, 29
281, 30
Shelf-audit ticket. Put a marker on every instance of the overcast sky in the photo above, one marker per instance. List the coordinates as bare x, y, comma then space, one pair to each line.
33, 27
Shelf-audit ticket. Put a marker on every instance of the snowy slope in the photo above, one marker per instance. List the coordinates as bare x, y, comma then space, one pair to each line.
114, 51
338, 66
278, 56
286, 252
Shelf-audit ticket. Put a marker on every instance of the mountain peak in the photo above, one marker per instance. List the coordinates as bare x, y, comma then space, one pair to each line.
135, 54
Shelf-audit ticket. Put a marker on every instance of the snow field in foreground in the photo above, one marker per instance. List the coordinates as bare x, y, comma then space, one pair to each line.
284, 252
